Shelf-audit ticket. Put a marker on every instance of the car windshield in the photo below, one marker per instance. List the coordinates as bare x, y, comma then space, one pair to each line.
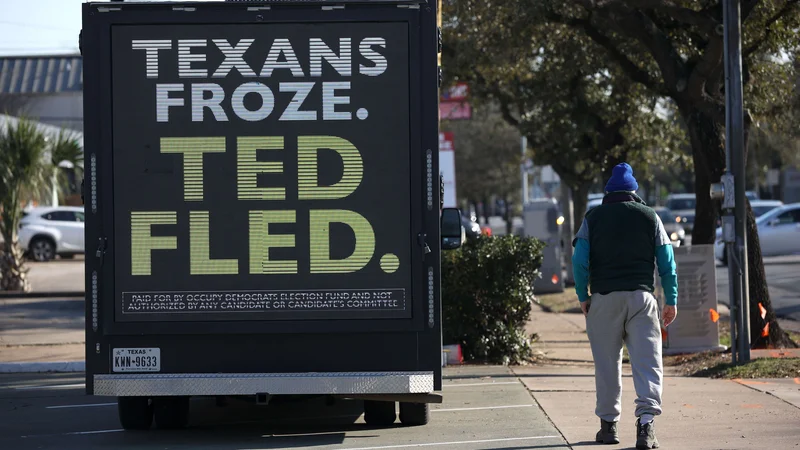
666, 216
761, 210
767, 216
677, 204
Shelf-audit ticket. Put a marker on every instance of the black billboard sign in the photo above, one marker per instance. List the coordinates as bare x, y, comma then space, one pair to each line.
260, 171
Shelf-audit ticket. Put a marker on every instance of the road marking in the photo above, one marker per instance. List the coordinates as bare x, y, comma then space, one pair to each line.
95, 432
480, 384
52, 386
74, 433
81, 406
434, 444
481, 408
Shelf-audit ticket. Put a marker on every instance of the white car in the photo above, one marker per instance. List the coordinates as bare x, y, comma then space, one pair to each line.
778, 233
49, 231
760, 207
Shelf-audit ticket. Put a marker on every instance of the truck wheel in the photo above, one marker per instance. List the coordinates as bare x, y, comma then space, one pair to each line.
135, 413
415, 414
379, 413
171, 412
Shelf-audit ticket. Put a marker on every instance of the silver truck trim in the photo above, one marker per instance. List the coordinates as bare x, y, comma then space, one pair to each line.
168, 384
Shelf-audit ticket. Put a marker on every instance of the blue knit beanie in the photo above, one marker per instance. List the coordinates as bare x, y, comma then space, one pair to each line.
622, 179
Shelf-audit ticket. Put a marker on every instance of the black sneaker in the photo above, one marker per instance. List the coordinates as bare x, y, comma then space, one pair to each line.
645, 435
608, 433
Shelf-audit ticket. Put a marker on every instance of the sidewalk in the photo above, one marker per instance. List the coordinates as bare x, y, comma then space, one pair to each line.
699, 413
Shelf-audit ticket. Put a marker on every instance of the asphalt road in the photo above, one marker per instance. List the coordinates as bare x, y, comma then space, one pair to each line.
484, 408
783, 279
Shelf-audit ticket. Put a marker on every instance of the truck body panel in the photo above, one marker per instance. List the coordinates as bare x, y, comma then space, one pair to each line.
245, 163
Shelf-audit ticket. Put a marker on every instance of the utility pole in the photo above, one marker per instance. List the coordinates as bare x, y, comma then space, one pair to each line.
732, 187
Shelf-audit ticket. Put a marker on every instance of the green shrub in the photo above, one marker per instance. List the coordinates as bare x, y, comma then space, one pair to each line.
487, 292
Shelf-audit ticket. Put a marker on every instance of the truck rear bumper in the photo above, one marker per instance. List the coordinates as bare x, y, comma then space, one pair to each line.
205, 384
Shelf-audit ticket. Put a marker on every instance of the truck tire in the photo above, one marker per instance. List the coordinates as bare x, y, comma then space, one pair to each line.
171, 413
135, 413
415, 414
379, 413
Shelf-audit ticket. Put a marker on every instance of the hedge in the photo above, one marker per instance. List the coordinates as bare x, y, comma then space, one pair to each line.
487, 292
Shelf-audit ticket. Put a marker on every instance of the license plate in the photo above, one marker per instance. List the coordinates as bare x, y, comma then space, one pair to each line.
136, 360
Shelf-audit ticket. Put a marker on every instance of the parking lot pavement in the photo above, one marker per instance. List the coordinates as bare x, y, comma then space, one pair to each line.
59, 275
483, 408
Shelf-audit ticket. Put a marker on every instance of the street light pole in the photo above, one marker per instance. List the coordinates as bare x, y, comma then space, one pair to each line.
735, 202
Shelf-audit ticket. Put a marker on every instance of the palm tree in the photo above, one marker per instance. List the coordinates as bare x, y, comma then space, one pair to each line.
23, 169
64, 150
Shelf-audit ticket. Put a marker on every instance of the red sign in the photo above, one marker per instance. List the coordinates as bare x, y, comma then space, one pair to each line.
446, 141
456, 93
455, 111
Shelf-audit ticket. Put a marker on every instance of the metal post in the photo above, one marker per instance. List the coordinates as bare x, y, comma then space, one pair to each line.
524, 170
734, 129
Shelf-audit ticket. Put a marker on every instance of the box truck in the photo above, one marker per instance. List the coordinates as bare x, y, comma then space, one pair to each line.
244, 166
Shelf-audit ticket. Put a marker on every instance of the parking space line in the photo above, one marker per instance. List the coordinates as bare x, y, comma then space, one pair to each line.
477, 441
481, 408
74, 433
88, 405
480, 384
52, 386
95, 432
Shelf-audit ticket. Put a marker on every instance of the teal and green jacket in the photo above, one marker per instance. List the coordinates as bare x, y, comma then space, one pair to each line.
618, 247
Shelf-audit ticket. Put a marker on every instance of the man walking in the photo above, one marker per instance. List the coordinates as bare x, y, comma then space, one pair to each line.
617, 249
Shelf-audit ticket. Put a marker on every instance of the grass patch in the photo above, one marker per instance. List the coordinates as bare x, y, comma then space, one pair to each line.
562, 302
757, 368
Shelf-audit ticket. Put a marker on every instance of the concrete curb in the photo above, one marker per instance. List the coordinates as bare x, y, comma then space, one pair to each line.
56, 294
40, 367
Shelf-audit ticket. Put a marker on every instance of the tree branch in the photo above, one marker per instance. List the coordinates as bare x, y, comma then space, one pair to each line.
636, 73
635, 23
787, 8
701, 19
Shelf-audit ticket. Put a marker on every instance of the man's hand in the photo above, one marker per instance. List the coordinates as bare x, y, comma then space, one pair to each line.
585, 306
670, 312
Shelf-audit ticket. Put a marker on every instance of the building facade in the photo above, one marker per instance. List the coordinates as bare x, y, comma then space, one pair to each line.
48, 89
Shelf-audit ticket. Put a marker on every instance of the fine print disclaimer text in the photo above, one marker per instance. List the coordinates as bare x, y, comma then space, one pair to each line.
263, 301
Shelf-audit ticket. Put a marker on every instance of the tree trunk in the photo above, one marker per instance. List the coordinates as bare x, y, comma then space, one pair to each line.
764, 332
580, 198
566, 231
14, 275
509, 217
708, 154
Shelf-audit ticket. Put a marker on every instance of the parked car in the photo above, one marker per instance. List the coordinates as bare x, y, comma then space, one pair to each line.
778, 233
676, 232
683, 207
761, 207
49, 231
471, 228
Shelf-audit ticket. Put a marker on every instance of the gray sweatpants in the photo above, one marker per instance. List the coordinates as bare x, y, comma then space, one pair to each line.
632, 317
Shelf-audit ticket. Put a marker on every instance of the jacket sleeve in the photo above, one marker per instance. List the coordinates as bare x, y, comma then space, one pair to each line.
580, 268
580, 262
665, 261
